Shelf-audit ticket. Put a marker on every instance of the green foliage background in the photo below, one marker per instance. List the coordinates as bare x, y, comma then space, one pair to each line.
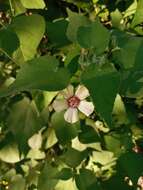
44, 47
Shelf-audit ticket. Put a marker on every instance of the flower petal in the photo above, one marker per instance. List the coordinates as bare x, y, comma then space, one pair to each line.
60, 105
140, 182
86, 107
71, 115
68, 92
82, 92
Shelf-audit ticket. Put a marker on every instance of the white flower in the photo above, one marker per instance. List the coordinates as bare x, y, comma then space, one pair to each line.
74, 102
140, 182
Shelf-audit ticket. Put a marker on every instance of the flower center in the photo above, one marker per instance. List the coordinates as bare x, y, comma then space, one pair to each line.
73, 101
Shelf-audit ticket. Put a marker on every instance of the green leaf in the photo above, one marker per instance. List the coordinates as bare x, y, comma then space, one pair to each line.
23, 121
73, 52
73, 65
119, 111
116, 18
40, 73
130, 53
86, 180
65, 132
132, 83
118, 143
33, 4
131, 163
138, 18
131, 9
64, 174
138, 30
129, 58
46, 179
88, 135
17, 183
75, 21
103, 84
29, 34
18, 7
9, 41
9, 174
95, 35
73, 157
59, 38
117, 181
51, 138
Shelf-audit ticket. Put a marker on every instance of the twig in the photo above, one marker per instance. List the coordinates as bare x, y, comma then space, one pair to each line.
8, 55
12, 10
2, 24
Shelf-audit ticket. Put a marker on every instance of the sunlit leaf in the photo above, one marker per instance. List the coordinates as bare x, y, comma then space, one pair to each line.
33, 4
10, 153
64, 185
138, 15
31, 124
28, 33
18, 7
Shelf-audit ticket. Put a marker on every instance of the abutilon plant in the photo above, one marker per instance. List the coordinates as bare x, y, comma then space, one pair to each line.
71, 95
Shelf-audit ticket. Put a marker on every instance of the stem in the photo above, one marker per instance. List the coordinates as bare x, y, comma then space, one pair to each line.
12, 10
8, 56
2, 24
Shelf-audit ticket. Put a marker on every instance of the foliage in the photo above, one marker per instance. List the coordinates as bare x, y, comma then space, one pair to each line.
45, 45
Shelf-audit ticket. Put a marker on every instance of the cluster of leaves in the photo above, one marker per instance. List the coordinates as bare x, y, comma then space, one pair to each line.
44, 47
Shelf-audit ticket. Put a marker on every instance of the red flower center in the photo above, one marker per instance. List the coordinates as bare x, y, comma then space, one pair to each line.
73, 101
